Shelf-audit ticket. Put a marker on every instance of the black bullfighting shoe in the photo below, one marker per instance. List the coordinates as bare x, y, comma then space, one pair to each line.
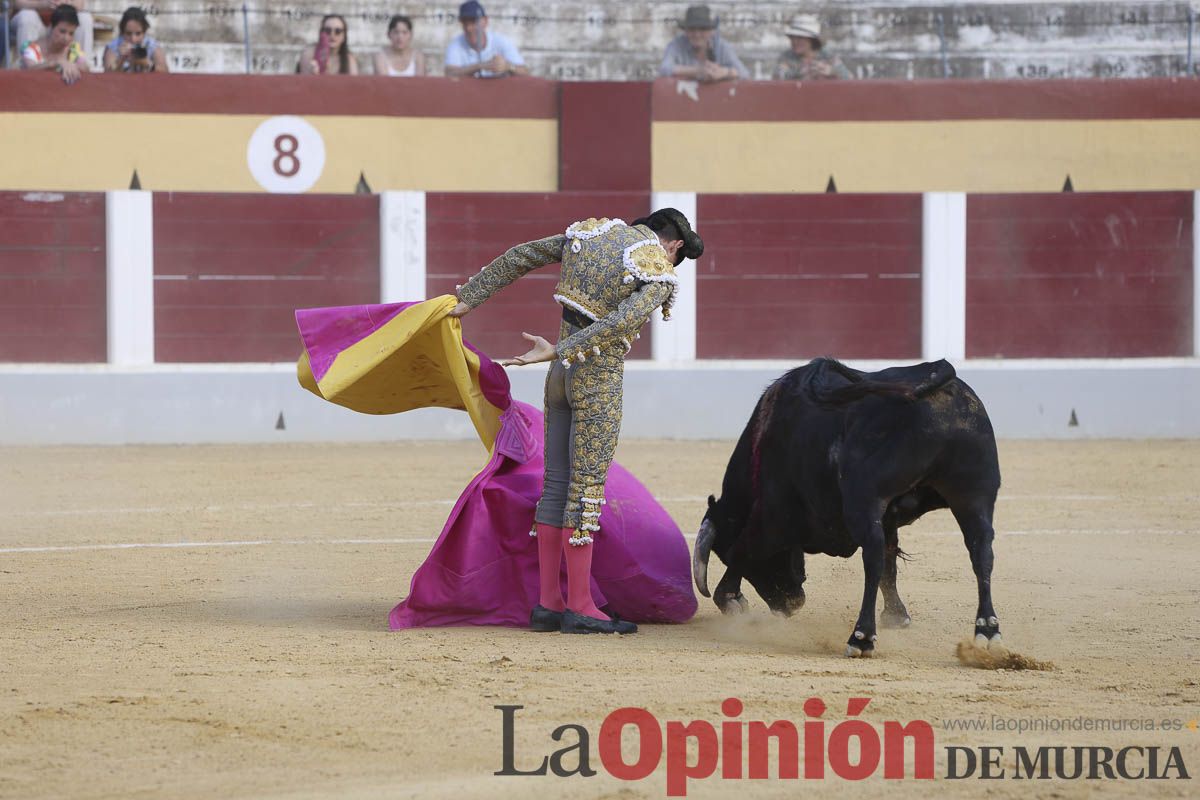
579, 623
543, 620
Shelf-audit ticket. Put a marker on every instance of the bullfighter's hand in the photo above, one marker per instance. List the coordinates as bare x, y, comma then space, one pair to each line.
541, 351
460, 310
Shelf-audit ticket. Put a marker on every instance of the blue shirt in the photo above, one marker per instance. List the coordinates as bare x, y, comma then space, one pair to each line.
150, 44
679, 53
460, 54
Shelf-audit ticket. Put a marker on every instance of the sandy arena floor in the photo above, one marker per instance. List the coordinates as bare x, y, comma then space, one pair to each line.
260, 665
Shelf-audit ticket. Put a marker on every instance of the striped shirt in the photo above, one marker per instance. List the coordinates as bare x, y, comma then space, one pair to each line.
31, 53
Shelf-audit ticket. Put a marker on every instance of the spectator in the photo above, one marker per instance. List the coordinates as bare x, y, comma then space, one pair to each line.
400, 59
32, 17
476, 52
333, 40
133, 50
699, 53
804, 60
57, 48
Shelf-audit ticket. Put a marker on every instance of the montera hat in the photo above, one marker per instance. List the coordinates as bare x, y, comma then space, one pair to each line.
806, 26
699, 18
693, 245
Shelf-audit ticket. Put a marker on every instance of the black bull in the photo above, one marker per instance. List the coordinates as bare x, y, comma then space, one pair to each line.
833, 460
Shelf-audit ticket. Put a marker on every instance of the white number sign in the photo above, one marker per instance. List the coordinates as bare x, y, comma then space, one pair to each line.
286, 155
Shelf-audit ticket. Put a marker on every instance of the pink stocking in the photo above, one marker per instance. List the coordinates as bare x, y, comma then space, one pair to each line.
579, 578
550, 546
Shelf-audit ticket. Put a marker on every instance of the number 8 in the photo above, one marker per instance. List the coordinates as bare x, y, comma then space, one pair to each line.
289, 154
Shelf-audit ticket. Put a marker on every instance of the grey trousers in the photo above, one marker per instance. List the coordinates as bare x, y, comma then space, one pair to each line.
559, 447
583, 422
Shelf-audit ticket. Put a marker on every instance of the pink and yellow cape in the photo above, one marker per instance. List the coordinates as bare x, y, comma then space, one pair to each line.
387, 359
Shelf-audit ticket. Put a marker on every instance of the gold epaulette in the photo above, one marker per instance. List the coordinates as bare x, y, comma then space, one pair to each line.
646, 261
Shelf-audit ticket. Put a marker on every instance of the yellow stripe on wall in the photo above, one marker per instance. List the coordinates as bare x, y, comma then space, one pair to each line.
964, 156
207, 152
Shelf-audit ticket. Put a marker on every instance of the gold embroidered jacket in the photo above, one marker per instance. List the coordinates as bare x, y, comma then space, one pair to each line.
612, 273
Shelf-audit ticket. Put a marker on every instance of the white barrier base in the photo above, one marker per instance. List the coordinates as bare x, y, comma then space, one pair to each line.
254, 403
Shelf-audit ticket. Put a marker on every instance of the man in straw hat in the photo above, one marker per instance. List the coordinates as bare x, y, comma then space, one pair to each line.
806, 60
699, 53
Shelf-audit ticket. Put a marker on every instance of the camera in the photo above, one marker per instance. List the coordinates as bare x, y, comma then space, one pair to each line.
138, 52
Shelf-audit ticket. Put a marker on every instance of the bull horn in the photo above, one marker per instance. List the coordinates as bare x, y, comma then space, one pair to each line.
704, 543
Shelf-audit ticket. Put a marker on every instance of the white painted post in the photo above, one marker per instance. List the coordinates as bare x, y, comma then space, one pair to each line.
944, 275
401, 246
675, 340
1196, 274
129, 258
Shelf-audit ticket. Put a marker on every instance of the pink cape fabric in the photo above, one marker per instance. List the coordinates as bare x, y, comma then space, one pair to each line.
483, 569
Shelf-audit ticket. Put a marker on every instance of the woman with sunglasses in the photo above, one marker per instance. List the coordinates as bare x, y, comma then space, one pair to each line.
331, 53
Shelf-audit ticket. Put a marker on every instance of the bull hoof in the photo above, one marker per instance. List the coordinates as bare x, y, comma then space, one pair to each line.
732, 603
895, 618
861, 645
987, 632
995, 645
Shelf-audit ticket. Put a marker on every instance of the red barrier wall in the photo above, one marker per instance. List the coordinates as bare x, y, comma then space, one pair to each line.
797, 276
783, 276
309, 95
464, 232
1079, 275
604, 137
824, 101
229, 270
52, 277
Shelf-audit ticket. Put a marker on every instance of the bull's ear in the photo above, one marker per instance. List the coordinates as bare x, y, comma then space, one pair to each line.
712, 501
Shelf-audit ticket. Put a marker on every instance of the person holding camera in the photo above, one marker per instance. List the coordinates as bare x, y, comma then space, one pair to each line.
134, 50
